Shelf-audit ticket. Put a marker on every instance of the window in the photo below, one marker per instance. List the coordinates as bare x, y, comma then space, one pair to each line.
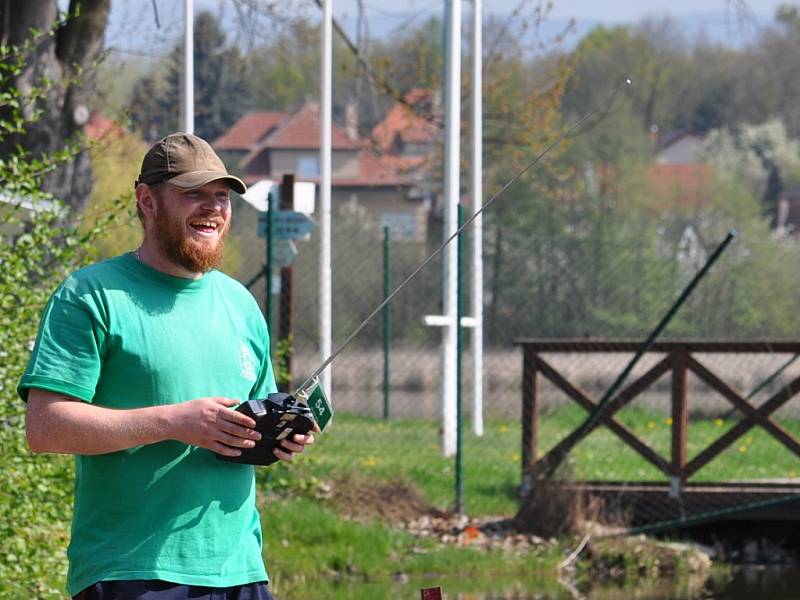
308, 166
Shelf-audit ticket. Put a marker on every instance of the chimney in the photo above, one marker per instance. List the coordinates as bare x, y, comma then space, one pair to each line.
351, 121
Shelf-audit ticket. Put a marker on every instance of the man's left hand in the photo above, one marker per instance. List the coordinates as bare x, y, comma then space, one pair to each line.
289, 447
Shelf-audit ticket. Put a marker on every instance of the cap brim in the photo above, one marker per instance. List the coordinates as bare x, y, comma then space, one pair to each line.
197, 179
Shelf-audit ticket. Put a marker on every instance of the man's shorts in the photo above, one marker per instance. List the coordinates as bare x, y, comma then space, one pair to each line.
152, 589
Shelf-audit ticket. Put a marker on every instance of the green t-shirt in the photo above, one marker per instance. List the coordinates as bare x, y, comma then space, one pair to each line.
122, 335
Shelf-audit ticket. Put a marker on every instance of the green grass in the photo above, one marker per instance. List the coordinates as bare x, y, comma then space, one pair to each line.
312, 552
408, 449
310, 548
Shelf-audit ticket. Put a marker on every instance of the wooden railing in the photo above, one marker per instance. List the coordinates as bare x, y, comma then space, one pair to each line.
679, 361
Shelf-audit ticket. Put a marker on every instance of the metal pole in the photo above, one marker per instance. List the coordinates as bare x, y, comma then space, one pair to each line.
188, 67
272, 206
387, 319
452, 122
477, 227
325, 273
459, 392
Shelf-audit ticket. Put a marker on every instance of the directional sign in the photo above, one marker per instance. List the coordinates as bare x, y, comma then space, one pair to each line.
287, 225
283, 252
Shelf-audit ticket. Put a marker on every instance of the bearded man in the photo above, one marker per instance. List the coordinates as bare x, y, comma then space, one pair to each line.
138, 366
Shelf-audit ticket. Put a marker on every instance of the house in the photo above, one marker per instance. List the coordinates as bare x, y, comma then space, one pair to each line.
271, 144
679, 147
409, 137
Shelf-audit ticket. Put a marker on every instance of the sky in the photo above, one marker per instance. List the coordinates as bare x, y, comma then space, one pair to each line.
612, 11
133, 23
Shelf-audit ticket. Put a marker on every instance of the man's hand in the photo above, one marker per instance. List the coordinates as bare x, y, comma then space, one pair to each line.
288, 448
211, 423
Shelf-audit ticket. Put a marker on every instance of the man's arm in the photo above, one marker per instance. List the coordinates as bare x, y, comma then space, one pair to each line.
62, 424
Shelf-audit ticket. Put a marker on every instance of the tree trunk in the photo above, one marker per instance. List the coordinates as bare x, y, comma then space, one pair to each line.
73, 47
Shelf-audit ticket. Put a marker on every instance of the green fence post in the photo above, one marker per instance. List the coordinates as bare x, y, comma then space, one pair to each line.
459, 342
387, 319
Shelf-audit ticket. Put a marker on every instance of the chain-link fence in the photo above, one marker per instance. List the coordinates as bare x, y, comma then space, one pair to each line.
609, 283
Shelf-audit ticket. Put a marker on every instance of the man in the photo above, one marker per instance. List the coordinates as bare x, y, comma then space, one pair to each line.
138, 366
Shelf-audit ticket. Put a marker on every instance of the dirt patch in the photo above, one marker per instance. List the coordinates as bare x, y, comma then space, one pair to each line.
392, 502
552, 508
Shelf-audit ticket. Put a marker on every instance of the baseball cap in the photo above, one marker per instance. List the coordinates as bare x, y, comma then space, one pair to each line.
185, 161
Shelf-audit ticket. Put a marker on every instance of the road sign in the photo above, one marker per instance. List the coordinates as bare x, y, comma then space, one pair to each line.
283, 252
287, 225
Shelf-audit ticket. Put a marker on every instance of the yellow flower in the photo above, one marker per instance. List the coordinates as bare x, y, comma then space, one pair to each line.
370, 462
516, 458
719, 422
668, 420
742, 448
651, 424
503, 428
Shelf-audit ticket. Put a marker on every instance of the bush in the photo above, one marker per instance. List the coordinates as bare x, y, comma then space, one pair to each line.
39, 246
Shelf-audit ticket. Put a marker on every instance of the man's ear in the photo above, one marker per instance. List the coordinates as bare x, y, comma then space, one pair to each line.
146, 201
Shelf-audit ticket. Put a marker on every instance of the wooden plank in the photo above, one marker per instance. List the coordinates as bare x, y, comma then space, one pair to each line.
696, 346
615, 426
530, 409
778, 432
741, 428
680, 414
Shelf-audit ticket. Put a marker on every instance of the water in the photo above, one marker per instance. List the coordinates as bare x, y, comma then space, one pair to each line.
749, 582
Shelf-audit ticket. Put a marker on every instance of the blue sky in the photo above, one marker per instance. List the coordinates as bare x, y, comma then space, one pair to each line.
601, 10
133, 23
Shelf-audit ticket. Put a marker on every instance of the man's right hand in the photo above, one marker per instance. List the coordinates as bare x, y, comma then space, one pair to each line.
211, 423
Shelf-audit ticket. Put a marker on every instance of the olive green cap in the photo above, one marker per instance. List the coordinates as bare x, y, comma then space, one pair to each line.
187, 162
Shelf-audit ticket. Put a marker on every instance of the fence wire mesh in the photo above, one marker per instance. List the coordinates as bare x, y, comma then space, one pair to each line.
612, 283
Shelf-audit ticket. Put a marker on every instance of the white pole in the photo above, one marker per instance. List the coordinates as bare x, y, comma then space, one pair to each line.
452, 121
325, 299
477, 226
188, 67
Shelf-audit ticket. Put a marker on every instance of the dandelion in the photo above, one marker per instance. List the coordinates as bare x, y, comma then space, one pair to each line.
516, 458
668, 421
742, 448
503, 428
370, 462
719, 422
651, 424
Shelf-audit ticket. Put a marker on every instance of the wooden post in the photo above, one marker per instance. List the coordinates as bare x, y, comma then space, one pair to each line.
530, 415
286, 298
680, 415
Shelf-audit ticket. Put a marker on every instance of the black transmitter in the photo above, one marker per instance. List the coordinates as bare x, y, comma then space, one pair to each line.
277, 417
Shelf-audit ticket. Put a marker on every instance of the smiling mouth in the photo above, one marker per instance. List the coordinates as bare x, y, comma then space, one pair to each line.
204, 226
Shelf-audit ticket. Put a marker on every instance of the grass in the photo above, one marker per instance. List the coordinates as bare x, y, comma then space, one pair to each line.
383, 450
312, 552
308, 544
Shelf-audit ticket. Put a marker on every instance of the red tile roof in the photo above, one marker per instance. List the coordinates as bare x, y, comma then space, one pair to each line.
249, 130
301, 129
99, 127
401, 120
681, 185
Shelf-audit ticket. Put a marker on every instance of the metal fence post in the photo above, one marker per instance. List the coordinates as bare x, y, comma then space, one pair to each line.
387, 319
459, 342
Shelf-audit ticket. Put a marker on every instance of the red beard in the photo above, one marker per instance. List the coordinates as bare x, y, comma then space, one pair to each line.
181, 249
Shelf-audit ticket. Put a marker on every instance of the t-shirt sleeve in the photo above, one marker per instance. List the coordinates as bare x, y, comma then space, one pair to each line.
67, 356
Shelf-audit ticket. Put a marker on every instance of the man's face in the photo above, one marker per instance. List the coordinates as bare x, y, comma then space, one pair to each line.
191, 225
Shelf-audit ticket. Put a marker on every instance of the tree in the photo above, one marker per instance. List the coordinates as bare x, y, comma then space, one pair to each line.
220, 86
64, 52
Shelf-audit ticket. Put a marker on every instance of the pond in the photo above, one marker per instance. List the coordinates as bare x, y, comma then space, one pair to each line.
744, 582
